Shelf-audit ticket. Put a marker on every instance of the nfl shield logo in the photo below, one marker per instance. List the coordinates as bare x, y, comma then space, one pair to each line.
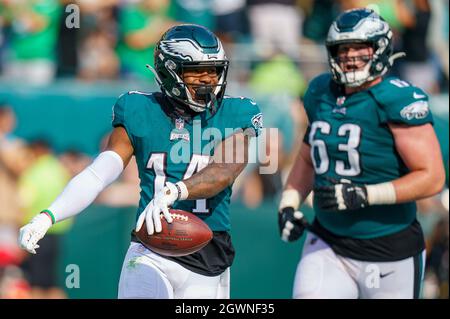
179, 124
340, 100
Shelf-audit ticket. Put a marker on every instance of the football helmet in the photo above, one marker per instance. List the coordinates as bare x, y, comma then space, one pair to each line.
190, 46
361, 26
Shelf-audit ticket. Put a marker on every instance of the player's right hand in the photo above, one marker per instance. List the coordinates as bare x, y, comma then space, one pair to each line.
31, 233
291, 223
159, 204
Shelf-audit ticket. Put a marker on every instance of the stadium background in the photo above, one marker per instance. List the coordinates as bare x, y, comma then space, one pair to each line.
61, 83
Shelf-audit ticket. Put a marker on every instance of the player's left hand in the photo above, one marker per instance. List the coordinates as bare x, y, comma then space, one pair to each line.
342, 196
159, 204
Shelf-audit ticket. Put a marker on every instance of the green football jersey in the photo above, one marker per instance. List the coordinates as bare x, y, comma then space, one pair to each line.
170, 148
350, 139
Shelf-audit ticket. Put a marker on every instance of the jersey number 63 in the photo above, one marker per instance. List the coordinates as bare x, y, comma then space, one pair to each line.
321, 162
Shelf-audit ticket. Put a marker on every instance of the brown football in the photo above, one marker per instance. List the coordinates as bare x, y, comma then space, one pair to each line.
185, 235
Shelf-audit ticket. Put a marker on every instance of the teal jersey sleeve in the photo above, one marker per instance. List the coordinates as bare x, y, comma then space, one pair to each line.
127, 113
118, 110
246, 115
402, 103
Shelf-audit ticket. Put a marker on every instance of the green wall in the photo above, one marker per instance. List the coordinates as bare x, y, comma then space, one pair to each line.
70, 115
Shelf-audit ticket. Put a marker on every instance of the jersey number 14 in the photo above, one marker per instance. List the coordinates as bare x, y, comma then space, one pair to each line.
157, 162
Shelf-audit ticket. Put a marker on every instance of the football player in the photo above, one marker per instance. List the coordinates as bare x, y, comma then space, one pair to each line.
191, 69
369, 152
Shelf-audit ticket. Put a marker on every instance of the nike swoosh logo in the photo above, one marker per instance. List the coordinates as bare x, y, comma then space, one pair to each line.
386, 274
418, 96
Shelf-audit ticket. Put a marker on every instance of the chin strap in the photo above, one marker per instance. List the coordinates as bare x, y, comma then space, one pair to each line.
213, 103
206, 94
396, 56
157, 79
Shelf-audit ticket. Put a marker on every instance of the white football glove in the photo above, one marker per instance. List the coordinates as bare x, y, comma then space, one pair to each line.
159, 204
34, 231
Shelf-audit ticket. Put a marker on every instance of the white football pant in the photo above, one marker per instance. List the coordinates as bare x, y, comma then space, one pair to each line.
147, 275
323, 274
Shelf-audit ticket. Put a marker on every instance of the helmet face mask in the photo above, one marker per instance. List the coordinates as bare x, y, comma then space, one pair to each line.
185, 48
201, 96
360, 26
353, 69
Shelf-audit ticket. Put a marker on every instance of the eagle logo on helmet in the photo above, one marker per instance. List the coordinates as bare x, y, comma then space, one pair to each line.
185, 49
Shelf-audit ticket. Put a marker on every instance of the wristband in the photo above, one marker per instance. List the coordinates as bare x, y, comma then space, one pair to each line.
290, 198
183, 192
49, 214
381, 194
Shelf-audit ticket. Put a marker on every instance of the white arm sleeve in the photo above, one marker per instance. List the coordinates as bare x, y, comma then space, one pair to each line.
82, 190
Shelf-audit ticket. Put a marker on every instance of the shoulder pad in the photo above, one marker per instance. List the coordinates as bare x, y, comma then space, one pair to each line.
242, 113
317, 87
402, 102
139, 92
318, 84
240, 100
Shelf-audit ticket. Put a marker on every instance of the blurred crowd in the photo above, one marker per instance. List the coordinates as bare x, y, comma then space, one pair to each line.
267, 41
31, 177
41, 40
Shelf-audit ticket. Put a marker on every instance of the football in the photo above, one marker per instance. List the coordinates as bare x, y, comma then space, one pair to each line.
185, 235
